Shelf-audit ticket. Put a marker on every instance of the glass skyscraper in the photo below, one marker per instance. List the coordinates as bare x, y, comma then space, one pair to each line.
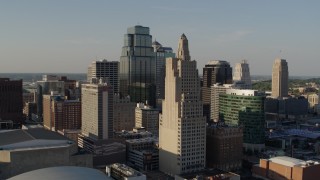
137, 66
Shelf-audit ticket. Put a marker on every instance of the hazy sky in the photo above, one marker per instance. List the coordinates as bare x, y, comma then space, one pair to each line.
66, 35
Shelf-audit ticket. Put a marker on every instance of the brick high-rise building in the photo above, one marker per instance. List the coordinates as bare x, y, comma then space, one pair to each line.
11, 104
182, 132
224, 147
61, 114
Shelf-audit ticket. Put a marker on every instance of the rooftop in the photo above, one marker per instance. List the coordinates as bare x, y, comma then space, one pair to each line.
62, 172
31, 138
128, 171
285, 160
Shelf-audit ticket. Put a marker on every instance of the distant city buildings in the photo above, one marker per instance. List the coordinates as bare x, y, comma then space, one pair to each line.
11, 101
138, 66
105, 69
182, 132
215, 71
280, 75
147, 117
247, 110
242, 74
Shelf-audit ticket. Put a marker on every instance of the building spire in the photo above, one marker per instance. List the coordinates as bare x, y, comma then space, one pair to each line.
183, 49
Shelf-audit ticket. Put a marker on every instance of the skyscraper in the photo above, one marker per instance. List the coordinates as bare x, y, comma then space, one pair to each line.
105, 69
97, 110
215, 71
182, 132
161, 53
137, 66
11, 100
245, 108
280, 75
242, 74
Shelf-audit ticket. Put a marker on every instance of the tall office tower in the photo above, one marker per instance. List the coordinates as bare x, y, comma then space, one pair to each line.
147, 117
69, 87
246, 110
105, 69
11, 100
215, 71
137, 66
224, 147
161, 53
48, 117
182, 132
97, 110
123, 113
280, 75
39, 101
60, 113
242, 74
216, 90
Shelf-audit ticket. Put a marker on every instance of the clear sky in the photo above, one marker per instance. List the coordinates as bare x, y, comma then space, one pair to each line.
66, 35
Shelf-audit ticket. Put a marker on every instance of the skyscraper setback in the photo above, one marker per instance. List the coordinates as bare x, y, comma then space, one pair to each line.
137, 66
280, 75
182, 132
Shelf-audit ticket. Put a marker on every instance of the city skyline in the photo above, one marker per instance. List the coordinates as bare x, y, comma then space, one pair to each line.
59, 36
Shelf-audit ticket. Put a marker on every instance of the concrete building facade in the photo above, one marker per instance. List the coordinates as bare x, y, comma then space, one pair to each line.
242, 74
105, 69
97, 110
123, 113
182, 132
147, 117
280, 75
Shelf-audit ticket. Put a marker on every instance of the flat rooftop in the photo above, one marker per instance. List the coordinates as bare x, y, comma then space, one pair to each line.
291, 162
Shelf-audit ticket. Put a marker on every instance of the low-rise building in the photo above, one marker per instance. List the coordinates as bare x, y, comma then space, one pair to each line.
143, 154
283, 167
147, 117
26, 150
124, 172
